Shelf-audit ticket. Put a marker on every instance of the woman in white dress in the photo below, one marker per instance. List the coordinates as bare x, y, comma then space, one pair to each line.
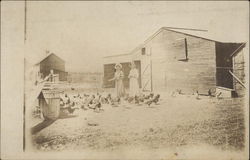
133, 80
118, 78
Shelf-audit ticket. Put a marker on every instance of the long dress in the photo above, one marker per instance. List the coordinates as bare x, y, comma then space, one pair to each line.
119, 84
133, 82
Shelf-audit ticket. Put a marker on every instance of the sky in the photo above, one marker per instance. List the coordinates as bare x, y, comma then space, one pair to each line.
83, 32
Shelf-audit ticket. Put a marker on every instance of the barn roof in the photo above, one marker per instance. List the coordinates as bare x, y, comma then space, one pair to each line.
42, 59
198, 33
116, 55
210, 36
203, 34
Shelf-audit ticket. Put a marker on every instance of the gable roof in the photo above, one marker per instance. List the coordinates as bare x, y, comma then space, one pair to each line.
49, 56
203, 34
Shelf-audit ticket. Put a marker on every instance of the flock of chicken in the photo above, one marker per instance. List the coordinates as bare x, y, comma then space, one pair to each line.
96, 101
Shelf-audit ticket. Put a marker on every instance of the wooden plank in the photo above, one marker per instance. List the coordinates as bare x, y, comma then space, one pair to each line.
237, 79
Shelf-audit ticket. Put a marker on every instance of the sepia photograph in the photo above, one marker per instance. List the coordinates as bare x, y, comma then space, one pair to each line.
126, 79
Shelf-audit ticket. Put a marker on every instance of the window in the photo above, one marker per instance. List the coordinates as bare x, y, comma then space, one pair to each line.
143, 51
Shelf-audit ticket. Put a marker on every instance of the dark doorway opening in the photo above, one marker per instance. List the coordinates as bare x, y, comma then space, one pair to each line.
109, 71
224, 64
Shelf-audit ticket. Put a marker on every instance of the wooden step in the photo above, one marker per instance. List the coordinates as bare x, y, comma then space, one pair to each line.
224, 92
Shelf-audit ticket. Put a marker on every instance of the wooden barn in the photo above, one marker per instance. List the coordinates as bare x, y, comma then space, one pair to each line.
52, 62
174, 59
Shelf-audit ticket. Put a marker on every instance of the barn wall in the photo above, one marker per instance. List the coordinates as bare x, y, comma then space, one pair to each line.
239, 66
170, 72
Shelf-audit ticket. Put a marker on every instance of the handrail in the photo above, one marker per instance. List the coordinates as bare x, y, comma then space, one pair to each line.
237, 79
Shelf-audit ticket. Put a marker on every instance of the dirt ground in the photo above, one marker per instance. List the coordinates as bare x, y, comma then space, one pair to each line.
176, 122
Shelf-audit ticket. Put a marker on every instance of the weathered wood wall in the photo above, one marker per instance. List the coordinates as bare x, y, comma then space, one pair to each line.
169, 72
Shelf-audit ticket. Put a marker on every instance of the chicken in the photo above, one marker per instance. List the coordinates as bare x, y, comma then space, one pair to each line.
151, 95
196, 94
97, 106
115, 101
154, 100
141, 98
209, 92
103, 100
130, 99
137, 101
90, 100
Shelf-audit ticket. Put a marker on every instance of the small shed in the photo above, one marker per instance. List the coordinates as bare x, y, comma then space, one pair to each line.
49, 101
52, 62
171, 59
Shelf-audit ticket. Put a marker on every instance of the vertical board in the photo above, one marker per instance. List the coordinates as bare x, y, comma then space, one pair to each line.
138, 66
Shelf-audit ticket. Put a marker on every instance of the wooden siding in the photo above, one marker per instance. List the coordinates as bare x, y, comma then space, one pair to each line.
169, 73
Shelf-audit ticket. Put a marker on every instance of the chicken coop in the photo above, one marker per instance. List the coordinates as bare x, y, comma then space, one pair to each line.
49, 102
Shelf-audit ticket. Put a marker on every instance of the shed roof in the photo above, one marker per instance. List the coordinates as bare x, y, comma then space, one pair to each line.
45, 57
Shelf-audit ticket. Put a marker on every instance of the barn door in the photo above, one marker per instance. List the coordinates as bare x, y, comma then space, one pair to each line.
109, 71
146, 76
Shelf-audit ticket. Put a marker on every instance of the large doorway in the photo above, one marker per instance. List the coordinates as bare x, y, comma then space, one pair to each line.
224, 64
109, 72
